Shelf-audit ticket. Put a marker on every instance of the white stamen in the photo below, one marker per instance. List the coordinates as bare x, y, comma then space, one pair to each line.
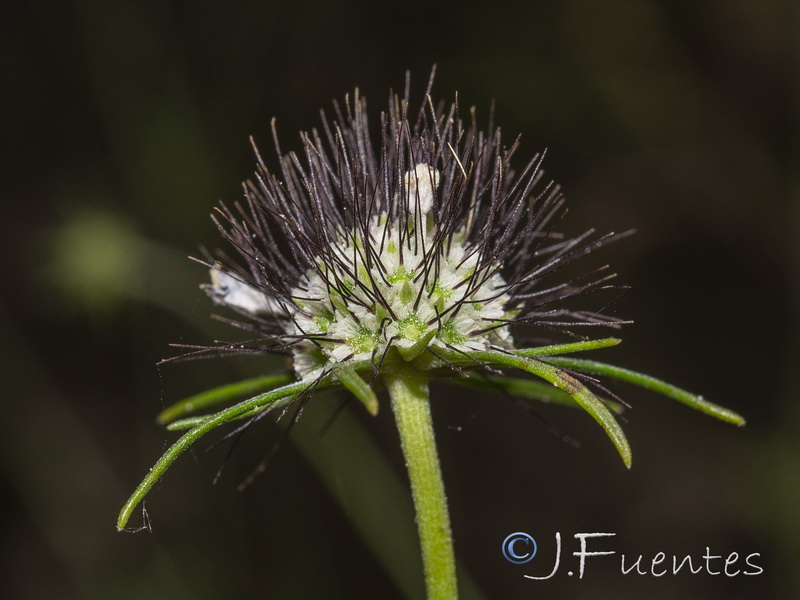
228, 290
421, 184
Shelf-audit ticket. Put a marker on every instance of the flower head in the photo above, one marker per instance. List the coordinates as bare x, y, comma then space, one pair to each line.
404, 251
422, 238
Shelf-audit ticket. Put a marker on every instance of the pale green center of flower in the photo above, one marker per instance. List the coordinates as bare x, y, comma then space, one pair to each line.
411, 328
397, 298
393, 288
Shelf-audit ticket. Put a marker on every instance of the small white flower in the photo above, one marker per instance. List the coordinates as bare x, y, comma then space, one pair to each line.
401, 262
231, 290
396, 301
427, 242
421, 184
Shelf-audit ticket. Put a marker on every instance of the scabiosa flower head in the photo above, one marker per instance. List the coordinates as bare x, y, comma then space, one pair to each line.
417, 235
404, 251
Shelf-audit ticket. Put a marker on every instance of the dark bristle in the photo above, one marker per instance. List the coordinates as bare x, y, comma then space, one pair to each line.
318, 213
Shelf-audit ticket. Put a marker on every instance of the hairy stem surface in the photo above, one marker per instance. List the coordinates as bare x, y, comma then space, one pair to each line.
408, 389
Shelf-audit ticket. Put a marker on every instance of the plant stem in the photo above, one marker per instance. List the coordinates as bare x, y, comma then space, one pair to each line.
408, 388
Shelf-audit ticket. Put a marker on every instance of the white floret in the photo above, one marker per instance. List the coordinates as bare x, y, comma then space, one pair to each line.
232, 291
336, 320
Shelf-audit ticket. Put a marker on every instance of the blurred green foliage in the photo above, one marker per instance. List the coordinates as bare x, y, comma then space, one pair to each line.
95, 262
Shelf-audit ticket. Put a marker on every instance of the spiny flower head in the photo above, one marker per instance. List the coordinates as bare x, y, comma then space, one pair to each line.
422, 238
409, 250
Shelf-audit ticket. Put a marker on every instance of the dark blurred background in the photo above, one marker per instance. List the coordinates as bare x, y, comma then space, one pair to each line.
124, 123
